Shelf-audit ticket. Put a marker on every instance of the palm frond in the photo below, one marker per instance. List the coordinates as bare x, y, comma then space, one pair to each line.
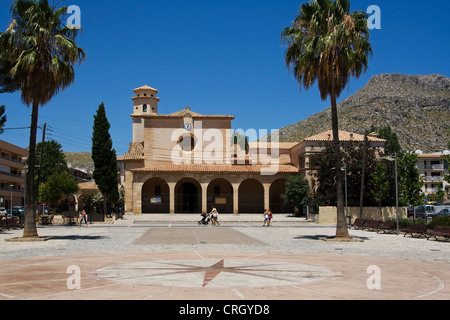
44, 50
328, 44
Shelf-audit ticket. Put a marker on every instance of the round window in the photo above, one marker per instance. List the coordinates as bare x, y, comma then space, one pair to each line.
187, 142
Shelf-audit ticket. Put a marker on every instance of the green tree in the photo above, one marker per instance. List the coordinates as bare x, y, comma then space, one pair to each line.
296, 191
329, 44
104, 157
86, 201
352, 157
447, 159
392, 144
409, 180
53, 159
58, 186
41, 52
380, 183
7, 83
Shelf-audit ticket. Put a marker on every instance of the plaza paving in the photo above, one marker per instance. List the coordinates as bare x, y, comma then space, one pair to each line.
162, 257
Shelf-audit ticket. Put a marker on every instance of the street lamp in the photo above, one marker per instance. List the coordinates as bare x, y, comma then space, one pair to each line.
11, 205
345, 180
394, 158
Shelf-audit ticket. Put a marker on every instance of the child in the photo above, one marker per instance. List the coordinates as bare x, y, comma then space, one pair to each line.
270, 218
266, 218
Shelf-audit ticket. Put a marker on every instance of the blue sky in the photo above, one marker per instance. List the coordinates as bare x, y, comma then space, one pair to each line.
218, 57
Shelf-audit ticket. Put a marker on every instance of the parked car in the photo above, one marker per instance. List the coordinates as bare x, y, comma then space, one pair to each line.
3, 210
425, 210
444, 212
18, 211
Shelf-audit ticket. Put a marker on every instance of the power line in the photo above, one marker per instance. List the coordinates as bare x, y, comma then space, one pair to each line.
80, 140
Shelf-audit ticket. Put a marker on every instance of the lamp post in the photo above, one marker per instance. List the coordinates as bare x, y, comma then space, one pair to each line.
394, 158
11, 205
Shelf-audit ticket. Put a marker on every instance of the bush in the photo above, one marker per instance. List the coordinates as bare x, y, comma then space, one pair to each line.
439, 221
405, 223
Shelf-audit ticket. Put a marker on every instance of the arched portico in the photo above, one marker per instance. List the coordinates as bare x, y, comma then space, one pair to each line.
155, 196
220, 195
276, 203
196, 192
188, 196
251, 196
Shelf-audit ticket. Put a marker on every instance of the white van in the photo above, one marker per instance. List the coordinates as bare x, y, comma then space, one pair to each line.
425, 210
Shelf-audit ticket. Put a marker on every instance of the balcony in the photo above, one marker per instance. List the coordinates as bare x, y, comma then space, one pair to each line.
431, 190
434, 179
11, 177
434, 166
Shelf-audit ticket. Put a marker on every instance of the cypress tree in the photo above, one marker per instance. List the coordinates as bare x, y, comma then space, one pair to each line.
104, 157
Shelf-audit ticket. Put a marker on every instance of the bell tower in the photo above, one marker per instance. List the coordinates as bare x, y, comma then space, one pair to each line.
145, 102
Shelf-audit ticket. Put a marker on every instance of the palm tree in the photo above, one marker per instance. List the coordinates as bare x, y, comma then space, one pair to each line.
329, 44
42, 52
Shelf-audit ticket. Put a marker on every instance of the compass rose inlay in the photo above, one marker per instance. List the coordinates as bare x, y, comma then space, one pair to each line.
224, 273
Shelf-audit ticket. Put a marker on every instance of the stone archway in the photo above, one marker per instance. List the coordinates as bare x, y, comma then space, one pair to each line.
220, 196
188, 196
277, 205
251, 196
155, 196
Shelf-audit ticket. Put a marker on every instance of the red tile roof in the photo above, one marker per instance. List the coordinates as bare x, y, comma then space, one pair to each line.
343, 136
217, 168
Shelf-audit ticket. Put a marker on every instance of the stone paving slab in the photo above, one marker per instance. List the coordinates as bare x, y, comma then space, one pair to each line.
238, 260
155, 236
33, 279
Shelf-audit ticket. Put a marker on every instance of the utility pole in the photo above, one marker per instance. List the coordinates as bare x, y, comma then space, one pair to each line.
40, 164
363, 174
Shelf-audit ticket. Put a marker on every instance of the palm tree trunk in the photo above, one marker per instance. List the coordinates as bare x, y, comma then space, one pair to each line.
341, 225
30, 229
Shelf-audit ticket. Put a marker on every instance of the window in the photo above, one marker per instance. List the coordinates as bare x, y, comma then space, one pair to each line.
144, 108
187, 143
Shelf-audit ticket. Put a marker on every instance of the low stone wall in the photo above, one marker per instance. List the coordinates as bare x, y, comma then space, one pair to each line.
58, 219
327, 215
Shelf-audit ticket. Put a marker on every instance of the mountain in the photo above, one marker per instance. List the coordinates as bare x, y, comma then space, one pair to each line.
80, 160
416, 107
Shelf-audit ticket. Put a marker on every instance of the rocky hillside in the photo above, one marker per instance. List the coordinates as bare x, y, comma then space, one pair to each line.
80, 160
416, 107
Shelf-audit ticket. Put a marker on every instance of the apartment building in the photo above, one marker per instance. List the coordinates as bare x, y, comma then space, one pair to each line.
432, 168
12, 175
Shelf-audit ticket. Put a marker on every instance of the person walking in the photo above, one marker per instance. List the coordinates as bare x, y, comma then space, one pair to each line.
266, 217
270, 218
83, 217
214, 217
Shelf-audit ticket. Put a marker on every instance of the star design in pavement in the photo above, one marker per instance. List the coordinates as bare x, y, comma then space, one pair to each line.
212, 271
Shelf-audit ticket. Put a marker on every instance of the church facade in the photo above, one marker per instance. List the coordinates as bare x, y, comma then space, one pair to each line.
185, 162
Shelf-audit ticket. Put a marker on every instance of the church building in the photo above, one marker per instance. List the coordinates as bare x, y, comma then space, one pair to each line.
186, 162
